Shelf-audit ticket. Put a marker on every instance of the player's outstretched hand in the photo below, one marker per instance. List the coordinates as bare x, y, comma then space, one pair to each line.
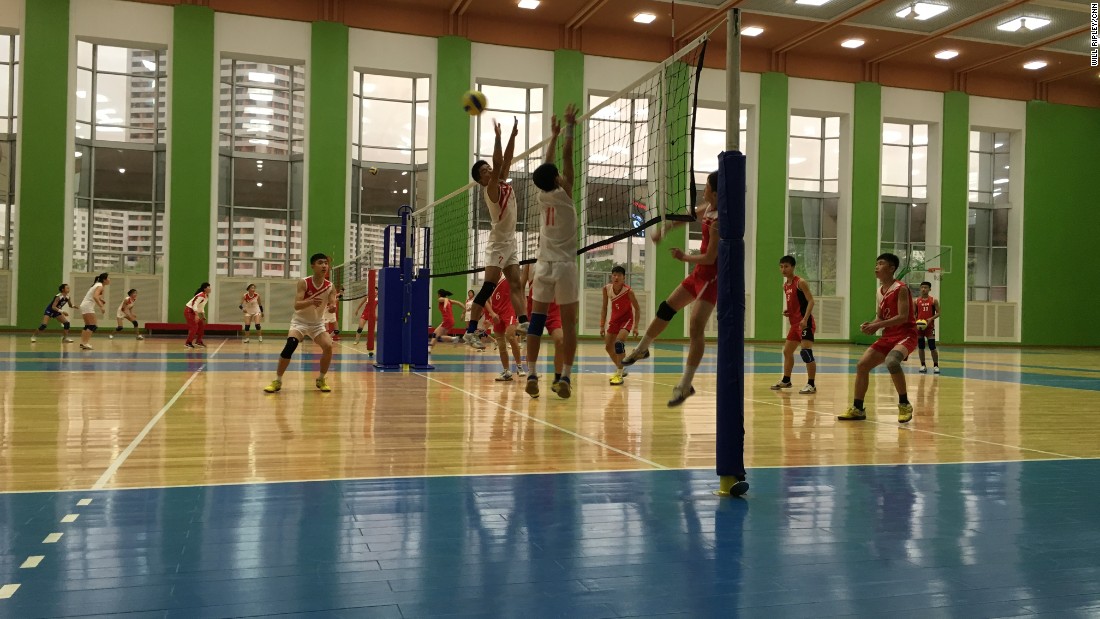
496, 128
677, 253
515, 126
868, 328
555, 125
571, 114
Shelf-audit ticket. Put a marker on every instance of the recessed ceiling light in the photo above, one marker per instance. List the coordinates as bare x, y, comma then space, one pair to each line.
122, 170
752, 31
947, 54
852, 43
645, 18
1025, 23
921, 11
1035, 64
528, 4
812, 2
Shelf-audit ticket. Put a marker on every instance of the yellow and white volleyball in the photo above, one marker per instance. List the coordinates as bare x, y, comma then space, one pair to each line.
474, 102
373, 171
922, 325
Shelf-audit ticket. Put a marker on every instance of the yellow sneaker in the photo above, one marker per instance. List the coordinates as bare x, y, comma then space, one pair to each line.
853, 414
616, 379
905, 413
275, 385
323, 385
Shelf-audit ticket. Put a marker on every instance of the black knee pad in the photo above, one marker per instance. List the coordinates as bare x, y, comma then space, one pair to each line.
920, 343
359, 330
257, 326
807, 355
43, 327
288, 350
665, 312
118, 328
134, 322
92, 328
931, 343
620, 348
64, 324
248, 327
483, 295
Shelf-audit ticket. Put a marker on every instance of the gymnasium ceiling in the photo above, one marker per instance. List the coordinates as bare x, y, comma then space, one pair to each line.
802, 40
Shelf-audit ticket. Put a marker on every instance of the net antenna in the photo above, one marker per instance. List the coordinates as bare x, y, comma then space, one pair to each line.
637, 169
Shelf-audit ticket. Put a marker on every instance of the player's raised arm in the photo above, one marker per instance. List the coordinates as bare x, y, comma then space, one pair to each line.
567, 149
552, 147
509, 151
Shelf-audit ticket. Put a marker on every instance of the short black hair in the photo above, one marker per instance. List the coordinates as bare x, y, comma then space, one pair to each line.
476, 170
890, 259
788, 260
61, 287
131, 291
712, 180
315, 257
444, 293
929, 284
618, 268
546, 177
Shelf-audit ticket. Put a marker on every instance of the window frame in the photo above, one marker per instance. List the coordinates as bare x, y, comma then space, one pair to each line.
992, 207
9, 138
819, 285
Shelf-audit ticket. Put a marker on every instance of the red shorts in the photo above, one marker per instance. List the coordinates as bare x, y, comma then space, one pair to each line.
621, 325
885, 343
447, 325
553, 318
500, 326
702, 287
797, 333
929, 332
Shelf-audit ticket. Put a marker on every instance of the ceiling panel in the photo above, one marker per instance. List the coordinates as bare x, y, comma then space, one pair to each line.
885, 15
825, 12
876, 42
1077, 44
1061, 20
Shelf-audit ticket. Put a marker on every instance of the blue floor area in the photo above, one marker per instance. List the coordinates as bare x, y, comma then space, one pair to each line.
973, 540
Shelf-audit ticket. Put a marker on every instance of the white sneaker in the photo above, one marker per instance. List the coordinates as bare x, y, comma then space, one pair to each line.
141, 337
504, 376
67, 340
923, 370
781, 385
33, 339
808, 389
521, 328
521, 370
261, 339
110, 336
85, 346
244, 341
936, 370
473, 341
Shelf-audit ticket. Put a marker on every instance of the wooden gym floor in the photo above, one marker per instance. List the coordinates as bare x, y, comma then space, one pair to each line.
409, 493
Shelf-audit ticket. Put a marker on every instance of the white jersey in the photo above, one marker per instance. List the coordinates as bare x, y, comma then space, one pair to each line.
502, 215
89, 298
127, 304
251, 304
558, 227
197, 303
312, 314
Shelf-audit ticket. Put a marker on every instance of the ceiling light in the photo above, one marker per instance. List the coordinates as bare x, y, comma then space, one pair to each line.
1035, 64
921, 11
122, 170
260, 94
645, 18
752, 31
1025, 23
947, 54
852, 43
259, 184
528, 4
259, 111
812, 2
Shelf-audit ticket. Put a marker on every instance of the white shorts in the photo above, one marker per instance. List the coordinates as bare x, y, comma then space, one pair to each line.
555, 282
329, 317
89, 308
501, 255
307, 330
255, 314
121, 316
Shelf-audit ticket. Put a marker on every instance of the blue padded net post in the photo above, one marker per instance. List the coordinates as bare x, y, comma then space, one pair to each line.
730, 443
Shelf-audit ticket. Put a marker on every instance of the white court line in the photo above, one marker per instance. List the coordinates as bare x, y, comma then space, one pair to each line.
547, 424
52, 538
70, 518
32, 562
890, 423
7, 591
83, 502
111, 470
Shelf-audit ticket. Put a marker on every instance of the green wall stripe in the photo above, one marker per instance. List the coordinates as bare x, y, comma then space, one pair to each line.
44, 159
866, 167
771, 218
1060, 222
453, 153
568, 88
192, 76
329, 92
953, 214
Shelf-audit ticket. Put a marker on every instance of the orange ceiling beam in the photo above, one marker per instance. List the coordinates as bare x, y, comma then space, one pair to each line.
827, 26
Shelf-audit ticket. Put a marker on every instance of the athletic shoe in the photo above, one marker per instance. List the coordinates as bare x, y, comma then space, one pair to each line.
635, 356
936, 370
370, 353
616, 379
323, 385
67, 340
521, 328
141, 337
244, 341
853, 414
200, 345
532, 387
261, 339
276, 385
33, 339
923, 370
781, 385
188, 345
110, 336
504, 377
679, 395
473, 341
808, 389
85, 347
522, 371
905, 413
564, 388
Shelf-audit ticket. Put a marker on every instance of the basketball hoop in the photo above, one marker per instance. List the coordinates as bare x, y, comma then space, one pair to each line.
935, 272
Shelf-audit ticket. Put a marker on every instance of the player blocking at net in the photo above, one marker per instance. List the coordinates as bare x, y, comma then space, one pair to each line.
555, 275
502, 252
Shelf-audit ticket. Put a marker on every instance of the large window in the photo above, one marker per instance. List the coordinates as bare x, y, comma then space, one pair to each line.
262, 130
990, 204
904, 190
390, 155
710, 141
814, 187
118, 221
9, 97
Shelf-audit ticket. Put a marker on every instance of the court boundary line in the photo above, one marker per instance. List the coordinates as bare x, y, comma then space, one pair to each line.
121, 459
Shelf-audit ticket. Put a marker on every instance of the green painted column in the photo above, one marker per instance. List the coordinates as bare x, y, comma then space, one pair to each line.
191, 149
866, 168
329, 92
568, 88
45, 156
953, 215
453, 156
669, 272
1060, 220
771, 218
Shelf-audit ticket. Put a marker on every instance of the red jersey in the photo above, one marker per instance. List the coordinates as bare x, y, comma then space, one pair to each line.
888, 308
448, 314
370, 310
926, 307
709, 219
796, 301
621, 309
501, 301
313, 290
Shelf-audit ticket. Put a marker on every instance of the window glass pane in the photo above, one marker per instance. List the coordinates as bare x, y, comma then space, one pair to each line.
116, 59
895, 223
832, 127
830, 207
979, 294
82, 170
999, 227
975, 140
831, 187
537, 95
84, 54
423, 89
985, 142
124, 174
805, 217
998, 294
979, 233
422, 125
998, 267
985, 172
979, 264
387, 87
895, 166
832, 159
806, 126
828, 266
920, 166
918, 222
505, 98
387, 123
973, 164
920, 192
382, 155
920, 135
805, 159
808, 254
260, 185
225, 180
1001, 142
895, 133
710, 118
801, 185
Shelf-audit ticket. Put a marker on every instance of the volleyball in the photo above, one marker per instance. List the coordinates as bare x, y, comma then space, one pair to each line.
474, 102
922, 324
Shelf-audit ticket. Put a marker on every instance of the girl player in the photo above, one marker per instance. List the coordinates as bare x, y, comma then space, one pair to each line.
125, 312
624, 314
445, 308
253, 307
368, 316
56, 310
195, 313
503, 317
94, 302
